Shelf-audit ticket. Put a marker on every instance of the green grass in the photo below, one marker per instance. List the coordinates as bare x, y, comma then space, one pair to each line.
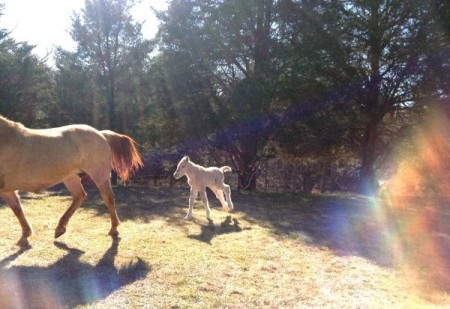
273, 251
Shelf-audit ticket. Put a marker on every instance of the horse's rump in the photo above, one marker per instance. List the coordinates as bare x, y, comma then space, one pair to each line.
225, 169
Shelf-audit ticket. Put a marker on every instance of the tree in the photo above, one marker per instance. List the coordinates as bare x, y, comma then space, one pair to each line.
111, 45
217, 68
80, 99
27, 90
374, 57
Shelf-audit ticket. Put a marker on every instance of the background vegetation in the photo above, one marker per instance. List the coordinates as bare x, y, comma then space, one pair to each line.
337, 88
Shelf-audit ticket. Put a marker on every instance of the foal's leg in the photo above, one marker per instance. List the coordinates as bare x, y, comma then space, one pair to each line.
219, 195
74, 186
227, 190
13, 200
192, 197
204, 198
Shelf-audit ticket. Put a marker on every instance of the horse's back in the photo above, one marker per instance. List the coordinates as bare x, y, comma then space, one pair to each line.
77, 145
68, 143
38, 158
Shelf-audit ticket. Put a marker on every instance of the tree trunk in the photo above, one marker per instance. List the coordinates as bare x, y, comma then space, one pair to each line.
367, 171
246, 162
247, 180
373, 106
247, 170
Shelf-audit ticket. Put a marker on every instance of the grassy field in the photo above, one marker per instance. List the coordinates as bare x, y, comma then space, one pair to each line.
273, 251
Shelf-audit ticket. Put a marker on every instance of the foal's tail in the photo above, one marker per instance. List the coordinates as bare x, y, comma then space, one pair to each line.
225, 169
125, 156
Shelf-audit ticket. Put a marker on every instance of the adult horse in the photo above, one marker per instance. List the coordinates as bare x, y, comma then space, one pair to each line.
35, 159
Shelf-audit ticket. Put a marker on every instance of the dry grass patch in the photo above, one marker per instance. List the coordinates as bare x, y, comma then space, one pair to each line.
275, 250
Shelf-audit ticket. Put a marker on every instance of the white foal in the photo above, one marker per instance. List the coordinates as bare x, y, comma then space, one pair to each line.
199, 178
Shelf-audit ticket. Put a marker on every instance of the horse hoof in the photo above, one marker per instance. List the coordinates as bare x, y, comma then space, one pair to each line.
23, 243
188, 218
27, 233
114, 234
59, 231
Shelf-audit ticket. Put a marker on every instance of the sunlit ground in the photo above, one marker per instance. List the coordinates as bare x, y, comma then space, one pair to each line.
274, 251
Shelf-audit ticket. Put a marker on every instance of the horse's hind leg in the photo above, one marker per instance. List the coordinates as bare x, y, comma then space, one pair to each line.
219, 195
108, 198
227, 190
13, 200
74, 186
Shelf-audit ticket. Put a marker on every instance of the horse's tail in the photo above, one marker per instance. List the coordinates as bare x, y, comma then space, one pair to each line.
125, 155
225, 169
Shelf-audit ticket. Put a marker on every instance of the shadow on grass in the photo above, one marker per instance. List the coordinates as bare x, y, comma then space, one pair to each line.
347, 225
66, 283
417, 237
140, 203
12, 257
210, 230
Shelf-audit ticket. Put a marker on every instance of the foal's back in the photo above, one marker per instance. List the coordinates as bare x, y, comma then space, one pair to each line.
205, 176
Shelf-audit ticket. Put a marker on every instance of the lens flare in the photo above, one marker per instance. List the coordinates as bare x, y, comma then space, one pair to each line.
413, 207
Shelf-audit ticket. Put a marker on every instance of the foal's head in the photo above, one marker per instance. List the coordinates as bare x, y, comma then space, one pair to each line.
181, 168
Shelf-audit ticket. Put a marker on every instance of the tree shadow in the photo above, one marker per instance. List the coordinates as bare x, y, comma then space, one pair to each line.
210, 230
143, 203
347, 225
343, 224
68, 282
417, 237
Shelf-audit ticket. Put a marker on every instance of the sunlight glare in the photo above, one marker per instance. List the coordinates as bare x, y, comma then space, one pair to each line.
412, 202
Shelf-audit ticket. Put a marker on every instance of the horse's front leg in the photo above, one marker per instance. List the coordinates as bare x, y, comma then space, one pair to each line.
13, 200
204, 198
192, 197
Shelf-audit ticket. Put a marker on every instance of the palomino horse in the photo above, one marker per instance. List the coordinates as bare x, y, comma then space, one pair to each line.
199, 178
32, 160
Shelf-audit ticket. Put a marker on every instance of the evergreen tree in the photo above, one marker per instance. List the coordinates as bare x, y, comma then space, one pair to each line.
110, 53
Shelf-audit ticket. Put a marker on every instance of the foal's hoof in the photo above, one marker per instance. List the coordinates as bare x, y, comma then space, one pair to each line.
59, 231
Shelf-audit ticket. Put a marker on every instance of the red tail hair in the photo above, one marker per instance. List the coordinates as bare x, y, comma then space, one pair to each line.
125, 156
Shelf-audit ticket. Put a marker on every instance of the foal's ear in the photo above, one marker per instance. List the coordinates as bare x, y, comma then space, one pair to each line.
186, 158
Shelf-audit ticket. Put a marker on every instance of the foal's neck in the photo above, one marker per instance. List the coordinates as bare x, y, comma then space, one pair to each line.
191, 166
